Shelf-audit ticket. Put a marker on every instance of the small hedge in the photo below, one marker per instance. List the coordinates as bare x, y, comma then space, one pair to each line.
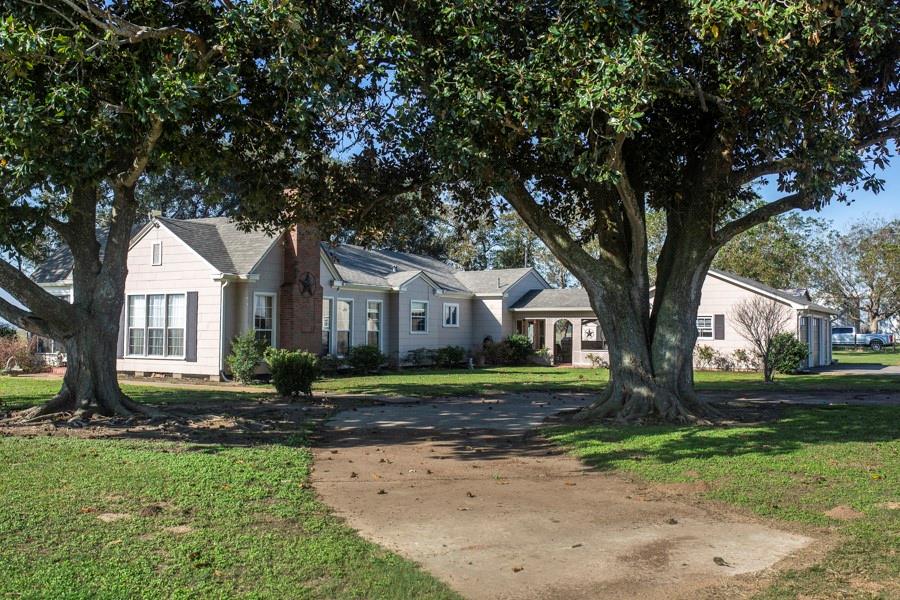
788, 353
365, 359
246, 354
293, 371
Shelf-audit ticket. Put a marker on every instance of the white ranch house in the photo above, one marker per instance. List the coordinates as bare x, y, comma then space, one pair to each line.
193, 285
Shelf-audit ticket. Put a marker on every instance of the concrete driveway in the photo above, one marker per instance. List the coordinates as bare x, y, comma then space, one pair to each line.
464, 488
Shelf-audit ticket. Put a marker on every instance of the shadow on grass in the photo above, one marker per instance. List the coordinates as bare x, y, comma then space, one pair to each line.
606, 447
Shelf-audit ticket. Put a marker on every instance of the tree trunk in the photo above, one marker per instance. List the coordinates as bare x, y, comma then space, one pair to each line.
89, 327
651, 355
90, 384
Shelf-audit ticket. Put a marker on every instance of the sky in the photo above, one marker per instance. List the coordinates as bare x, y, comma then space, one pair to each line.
885, 205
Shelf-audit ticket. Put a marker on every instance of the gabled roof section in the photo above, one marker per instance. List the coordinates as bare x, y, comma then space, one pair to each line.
795, 298
59, 264
387, 268
571, 299
495, 281
220, 243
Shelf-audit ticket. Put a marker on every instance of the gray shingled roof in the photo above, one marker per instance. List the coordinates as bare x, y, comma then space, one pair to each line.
56, 267
553, 299
389, 268
221, 243
486, 282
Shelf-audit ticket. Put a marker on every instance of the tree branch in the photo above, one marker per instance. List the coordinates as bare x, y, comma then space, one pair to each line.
142, 156
633, 209
800, 200
554, 235
31, 294
25, 319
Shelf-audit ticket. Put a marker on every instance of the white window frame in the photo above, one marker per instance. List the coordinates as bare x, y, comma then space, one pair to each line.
711, 329
336, 330
444, 314
380, 304
153, 261
274, 329
331, 309
143, 353
427, 313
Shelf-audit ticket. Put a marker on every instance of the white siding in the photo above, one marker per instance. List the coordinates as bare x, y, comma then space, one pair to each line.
182, 270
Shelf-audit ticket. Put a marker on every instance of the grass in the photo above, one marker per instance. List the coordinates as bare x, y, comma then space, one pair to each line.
794, 469
886, 357
22, 392
430, 383
250, 524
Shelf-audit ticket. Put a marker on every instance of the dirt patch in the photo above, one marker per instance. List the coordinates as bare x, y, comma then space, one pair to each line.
110, 517
503, 514
890, 505
843, 512
179, 529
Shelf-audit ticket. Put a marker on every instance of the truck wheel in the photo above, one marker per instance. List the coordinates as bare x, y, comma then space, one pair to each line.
876, 345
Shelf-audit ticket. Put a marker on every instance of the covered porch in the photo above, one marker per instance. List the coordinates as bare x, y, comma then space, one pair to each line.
561, 322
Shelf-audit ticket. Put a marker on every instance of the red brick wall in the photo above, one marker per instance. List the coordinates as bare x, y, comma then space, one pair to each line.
300, 302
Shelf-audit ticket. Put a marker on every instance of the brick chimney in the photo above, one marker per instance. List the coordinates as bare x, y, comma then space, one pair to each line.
300, 301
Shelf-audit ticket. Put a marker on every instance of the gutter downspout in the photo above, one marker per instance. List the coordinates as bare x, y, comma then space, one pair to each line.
225, 283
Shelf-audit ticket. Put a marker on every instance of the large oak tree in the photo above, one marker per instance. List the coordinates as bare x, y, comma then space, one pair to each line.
584, 115
96, 94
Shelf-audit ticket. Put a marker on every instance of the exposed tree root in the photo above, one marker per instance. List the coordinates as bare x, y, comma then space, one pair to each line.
647, 402
64, 404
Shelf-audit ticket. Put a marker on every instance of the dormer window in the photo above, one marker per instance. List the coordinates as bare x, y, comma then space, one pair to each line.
157, 253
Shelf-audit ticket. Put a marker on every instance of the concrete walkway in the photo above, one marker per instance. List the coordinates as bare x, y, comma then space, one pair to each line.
460, 486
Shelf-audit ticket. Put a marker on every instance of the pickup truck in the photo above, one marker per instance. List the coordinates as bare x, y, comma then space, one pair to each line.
847, 336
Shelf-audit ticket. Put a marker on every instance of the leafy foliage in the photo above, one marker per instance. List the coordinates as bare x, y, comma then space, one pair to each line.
787, 352
365, 359
247, 353
21, 351
293, 371
520, 348
450, 356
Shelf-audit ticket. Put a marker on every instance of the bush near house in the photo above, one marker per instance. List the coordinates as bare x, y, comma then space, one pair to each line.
450, 356
7, 331
246, 354
365, 359
293, 371
788, 353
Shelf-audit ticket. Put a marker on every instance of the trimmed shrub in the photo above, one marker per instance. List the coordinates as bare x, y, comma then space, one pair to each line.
365, 359
246, 354
421, 357
293, 371
450, 356
787, 353
520, 348
744, 361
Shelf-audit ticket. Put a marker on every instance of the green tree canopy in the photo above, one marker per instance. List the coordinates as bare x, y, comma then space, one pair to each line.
584, 116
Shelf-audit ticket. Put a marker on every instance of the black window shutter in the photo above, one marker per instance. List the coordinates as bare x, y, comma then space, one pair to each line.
190, 334
719, 327
120, 345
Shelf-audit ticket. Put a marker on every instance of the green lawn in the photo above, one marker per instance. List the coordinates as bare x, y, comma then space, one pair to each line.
867, 357
187, 520
794, 469
561, 379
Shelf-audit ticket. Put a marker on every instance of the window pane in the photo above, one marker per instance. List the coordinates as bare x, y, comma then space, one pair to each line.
136, 314
262, 312
342, 345
342, 318
264, 336
175, 342
156, 310
135, 341
175, 311
155, 342
326, 341
373, 317
418, 316
326, 314
372, 339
